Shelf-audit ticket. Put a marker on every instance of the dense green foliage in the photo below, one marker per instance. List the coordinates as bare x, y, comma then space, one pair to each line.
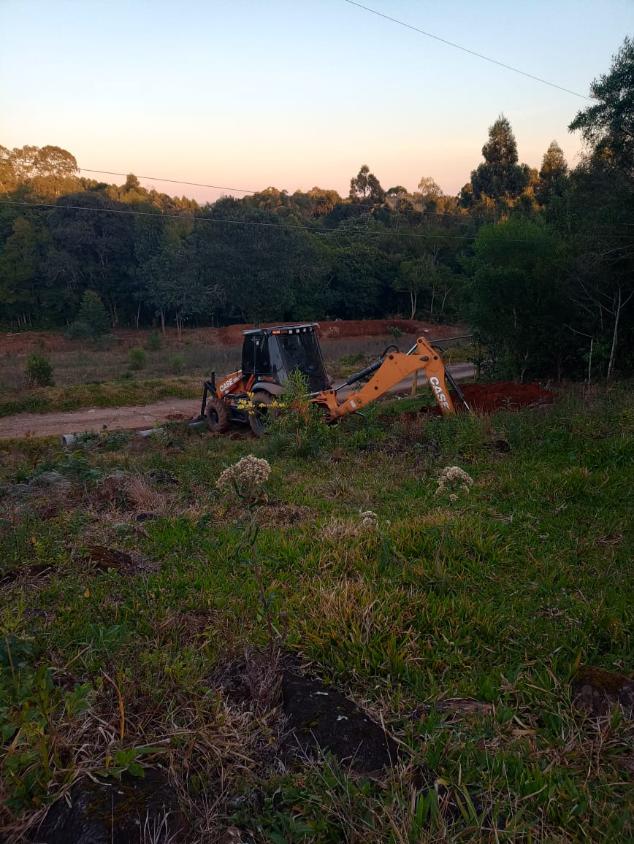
39, 371
152, 259
92, 317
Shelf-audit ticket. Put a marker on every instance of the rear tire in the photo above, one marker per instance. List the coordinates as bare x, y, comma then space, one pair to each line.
260, 417
217, 416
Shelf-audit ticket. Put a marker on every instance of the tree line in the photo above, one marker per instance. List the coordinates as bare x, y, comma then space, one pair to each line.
538, 261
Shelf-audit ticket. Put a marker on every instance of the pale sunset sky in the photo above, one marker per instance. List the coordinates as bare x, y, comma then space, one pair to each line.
252, 93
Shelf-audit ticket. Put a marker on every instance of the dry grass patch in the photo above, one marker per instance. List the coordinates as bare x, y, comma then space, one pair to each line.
126, 493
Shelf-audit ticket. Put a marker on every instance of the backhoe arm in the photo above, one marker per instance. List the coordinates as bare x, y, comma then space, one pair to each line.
395, 367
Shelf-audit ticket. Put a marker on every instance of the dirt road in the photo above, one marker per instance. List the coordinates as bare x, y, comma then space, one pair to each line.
97, 419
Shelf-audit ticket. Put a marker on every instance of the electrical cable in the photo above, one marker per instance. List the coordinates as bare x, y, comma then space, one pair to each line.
467, 50
172, 181
281, 226
237, 190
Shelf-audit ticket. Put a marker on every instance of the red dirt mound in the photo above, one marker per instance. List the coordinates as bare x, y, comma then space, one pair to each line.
505, 395
231, 335
487, 398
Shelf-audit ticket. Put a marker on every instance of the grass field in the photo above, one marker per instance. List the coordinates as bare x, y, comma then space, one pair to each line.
119, 393
494, 596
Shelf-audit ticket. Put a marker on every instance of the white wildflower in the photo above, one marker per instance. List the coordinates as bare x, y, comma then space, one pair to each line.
453, 478
369, 519
246, 477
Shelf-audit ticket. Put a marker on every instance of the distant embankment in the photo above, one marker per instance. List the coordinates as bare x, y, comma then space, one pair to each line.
24, 342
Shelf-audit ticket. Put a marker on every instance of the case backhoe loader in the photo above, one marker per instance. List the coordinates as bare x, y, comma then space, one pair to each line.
269, 355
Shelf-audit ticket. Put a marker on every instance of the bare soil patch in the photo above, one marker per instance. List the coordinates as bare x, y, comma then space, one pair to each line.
26, 573
115, 812
322, 719
315, 717
498, 395
125, 562
505, 395
597, 691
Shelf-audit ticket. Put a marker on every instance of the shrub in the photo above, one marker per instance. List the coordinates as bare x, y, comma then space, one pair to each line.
136, 358
300, 427
39, 371
93, 314
177, 364
154, 342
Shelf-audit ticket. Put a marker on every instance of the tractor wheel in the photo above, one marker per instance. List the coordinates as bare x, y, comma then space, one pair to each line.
217, 416
262, 414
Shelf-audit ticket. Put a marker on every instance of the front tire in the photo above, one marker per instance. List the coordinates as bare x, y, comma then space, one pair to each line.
261, 414
217, 416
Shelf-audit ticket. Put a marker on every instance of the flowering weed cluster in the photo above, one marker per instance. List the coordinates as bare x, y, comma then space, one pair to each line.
245, 478
453, 478
369, 519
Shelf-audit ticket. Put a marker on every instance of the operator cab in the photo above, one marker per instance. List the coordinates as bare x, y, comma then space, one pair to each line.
273, 353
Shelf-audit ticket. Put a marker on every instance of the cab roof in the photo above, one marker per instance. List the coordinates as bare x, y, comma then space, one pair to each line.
303, 328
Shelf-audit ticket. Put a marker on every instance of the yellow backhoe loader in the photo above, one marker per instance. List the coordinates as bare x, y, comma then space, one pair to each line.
269, 355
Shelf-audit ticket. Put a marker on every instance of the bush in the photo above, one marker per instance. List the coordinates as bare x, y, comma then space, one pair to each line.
300, 428
177, 364
93, 314
39, 371
154, 342
136, 358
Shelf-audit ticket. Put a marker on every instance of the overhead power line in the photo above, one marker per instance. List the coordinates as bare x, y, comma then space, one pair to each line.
351, 203
281, 226
466, 50
172, 181
249, 223
354, 203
